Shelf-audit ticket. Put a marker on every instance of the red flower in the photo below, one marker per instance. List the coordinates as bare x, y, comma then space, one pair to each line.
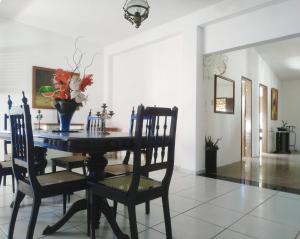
62, 77
86, 81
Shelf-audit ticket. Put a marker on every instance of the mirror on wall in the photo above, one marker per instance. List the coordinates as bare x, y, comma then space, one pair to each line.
224, 95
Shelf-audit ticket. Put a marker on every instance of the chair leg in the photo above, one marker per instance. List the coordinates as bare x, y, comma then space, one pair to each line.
88, 199
0, 179
64, 203
93, 213
4, 180
166, 208
34, 213
53, 167
132, 221
127, 157
84, 170
115, 208
147, 207
13, 183
18, 199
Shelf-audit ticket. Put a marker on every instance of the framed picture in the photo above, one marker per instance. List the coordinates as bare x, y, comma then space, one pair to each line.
274, 104
42, 87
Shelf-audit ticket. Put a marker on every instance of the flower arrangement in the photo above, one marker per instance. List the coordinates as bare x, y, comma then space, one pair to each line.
69, 86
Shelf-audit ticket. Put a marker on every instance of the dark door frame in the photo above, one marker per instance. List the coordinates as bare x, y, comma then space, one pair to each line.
243, 78
266, 87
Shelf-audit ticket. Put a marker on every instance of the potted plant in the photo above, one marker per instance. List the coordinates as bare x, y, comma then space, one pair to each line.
283, 127
211, 148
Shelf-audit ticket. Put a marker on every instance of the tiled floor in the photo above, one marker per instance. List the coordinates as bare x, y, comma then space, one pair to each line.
201, 208
275, 171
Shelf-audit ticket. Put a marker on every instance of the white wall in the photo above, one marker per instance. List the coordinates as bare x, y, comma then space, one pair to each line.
148, 75
290, 104
240, 63
265, 24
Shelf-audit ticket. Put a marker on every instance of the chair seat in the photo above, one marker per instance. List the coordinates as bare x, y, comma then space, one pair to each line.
6, 164
123, 183
59, 178
7, 157
118, 169
70, 159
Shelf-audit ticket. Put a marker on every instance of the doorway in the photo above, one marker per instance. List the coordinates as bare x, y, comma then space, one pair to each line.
263, 119
246, 111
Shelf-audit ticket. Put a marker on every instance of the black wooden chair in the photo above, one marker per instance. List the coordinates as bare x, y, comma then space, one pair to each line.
5, 165
136, 188
33, 185
125, 167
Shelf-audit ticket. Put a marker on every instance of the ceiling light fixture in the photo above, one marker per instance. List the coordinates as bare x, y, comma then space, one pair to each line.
136, 11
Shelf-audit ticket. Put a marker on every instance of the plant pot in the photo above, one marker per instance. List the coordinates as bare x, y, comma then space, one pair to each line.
66, 110
282, 129
211, 161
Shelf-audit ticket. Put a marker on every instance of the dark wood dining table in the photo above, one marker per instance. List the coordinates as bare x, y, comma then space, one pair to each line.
93, 143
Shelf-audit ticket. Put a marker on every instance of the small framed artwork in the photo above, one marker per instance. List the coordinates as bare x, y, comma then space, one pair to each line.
42, 87
274, 104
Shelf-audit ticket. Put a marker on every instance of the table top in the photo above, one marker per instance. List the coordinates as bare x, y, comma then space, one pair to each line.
82, 141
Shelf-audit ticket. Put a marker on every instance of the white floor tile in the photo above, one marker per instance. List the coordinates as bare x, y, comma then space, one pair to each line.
284, 210
264, 229
206, 190
228, 234
105, 230
155, 217
178, 204
43, 220
215, 215
150, 234
71, 233
244, 199
2, 235
190, 228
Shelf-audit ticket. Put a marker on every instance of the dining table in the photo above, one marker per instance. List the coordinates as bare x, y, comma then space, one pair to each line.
94, 143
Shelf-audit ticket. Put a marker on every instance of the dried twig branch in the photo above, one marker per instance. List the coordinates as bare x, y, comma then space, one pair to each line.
91, 63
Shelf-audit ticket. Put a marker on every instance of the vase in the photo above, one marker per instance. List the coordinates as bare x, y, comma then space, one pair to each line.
66, 110
211, 161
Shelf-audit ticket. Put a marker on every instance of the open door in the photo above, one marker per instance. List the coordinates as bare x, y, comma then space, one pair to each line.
246, 105
263, 118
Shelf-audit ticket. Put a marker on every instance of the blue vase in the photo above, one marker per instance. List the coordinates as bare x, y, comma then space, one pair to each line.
66, 110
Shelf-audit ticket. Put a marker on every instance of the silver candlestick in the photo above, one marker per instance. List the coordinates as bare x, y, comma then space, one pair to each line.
104, 115
39, 117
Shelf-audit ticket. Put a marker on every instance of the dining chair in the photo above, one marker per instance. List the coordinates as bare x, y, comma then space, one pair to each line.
5, 165
125, 167
137, 187
33, 184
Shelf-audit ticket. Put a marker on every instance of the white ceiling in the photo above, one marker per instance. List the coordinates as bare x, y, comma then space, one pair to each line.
283, 57
100, 20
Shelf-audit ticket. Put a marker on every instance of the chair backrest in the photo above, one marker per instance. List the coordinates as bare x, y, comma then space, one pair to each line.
93, 122
133, 123
6, 142
158, 142
22, 143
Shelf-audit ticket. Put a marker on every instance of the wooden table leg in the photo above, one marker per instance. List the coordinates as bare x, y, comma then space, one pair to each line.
96, 166
76, 207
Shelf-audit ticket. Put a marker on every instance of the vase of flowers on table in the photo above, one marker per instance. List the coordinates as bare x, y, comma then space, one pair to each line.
69, 95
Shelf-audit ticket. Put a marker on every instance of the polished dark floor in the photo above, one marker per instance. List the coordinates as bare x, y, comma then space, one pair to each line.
275, 171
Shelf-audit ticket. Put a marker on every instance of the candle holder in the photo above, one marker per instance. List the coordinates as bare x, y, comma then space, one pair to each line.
39, 117
104, 115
